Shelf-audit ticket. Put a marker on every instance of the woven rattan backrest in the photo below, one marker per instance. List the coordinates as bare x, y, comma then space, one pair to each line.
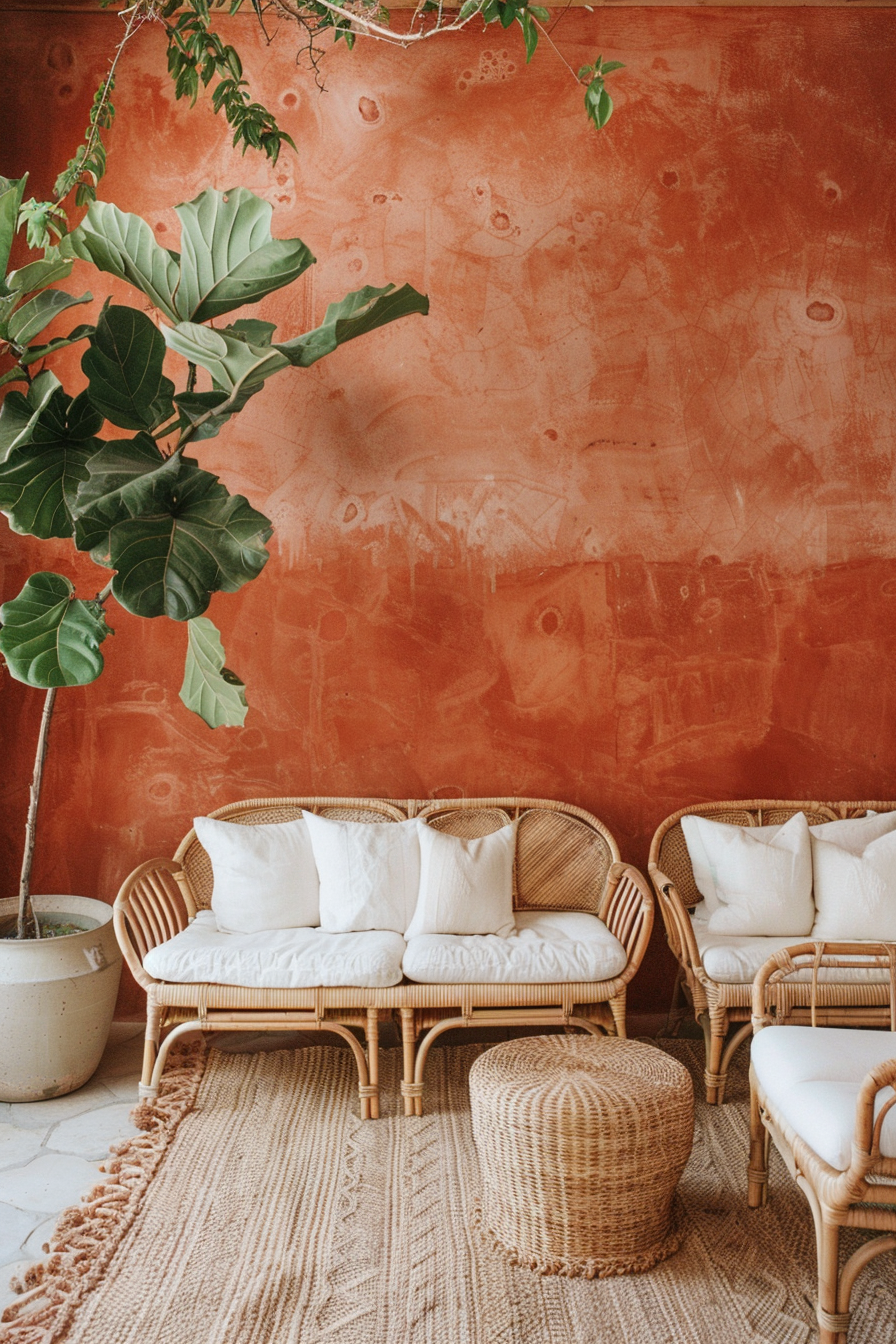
562, 853
259, 811
669, 851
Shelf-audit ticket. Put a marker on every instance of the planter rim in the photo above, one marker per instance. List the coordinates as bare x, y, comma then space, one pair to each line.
61, 905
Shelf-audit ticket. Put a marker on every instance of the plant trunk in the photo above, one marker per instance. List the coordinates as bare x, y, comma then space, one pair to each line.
27, 920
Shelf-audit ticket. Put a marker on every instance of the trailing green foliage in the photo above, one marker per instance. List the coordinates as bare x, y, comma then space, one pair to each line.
171, 532
27, 306
598, 103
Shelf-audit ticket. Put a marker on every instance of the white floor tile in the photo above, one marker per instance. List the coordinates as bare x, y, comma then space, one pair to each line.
42, 1114
91, 1133
40, 1237
49, 1183
18, 1146
15, 1227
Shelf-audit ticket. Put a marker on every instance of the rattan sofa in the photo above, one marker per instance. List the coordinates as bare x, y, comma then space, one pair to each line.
566, 860
723, 1007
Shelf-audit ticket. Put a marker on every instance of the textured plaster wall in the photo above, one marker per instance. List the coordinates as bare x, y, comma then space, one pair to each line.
615, 524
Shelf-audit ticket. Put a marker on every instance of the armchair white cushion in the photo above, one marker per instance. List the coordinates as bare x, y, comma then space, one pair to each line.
754, 880
813, 1076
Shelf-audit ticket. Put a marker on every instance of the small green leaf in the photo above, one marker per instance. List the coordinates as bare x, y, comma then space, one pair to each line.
530, 34
21, 411
194, 407
12, 189
357, 313
507, 12
210, 689
36, 352
542, 15
124, 368
235, 365
254, 331
610, 66
468, 9
39, 274
50, 637
38, 312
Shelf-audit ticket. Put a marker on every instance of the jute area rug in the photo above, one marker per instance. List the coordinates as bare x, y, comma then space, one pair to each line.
258, 1209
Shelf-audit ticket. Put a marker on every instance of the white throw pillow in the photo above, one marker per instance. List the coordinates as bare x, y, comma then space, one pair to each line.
264, 876
753, 884
855, 892
703, 838
369, 873
466, 886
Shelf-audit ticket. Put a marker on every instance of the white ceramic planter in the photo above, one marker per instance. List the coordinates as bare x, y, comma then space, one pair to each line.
57, 997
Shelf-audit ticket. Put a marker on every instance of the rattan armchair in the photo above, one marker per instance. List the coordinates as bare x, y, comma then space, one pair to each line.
723, 1009
858, 1188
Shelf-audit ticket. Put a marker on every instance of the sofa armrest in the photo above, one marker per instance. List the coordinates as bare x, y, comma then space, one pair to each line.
627, 910
679, 929
153, 905
815, 956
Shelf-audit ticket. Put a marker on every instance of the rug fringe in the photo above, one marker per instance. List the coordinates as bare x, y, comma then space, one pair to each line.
86, 1237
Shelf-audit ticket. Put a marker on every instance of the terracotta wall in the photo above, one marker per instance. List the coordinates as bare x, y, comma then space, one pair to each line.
614, 524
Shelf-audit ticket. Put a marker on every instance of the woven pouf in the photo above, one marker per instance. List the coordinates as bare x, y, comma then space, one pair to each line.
581, 1142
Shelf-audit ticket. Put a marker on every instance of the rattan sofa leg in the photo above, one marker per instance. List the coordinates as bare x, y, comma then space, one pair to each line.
617, 1008
408, 1044
832, 1325
757, 1171
713, 1076
150, 1048
372, 1034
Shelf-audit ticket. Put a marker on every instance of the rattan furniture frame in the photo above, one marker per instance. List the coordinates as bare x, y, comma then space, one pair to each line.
864, 1195
723, 1010
565, 860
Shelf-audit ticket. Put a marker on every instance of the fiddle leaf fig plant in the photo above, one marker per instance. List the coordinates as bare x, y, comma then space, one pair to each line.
171, 533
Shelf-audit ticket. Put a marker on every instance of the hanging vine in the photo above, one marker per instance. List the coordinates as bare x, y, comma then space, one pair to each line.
199, 59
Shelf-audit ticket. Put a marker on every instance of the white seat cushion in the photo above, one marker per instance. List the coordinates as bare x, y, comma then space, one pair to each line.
734, 961
813, 1076
286, 959
548, 947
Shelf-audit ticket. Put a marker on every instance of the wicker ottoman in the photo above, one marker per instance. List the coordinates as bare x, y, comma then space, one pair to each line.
581, 1142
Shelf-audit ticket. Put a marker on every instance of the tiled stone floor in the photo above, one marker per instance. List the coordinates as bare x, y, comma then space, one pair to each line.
50, 1151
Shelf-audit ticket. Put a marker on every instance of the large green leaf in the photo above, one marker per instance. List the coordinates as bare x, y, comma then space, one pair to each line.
228, 255
38, 312
236, 367
21, 411
124, 366
124, 245
175, 535
50, 637
41, 475
357, 313
11, 192
210, 689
